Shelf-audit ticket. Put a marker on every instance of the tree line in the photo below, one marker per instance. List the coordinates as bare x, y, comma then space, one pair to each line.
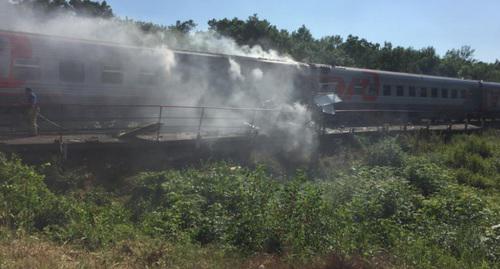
302, 46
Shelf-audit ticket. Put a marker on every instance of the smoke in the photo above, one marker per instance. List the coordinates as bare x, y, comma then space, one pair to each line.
215, 43
241, 80
257, 74
235, 70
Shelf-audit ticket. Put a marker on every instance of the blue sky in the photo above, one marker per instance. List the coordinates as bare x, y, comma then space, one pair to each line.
443, 24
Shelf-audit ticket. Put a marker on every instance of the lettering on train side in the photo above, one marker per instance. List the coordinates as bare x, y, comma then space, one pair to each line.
368, 84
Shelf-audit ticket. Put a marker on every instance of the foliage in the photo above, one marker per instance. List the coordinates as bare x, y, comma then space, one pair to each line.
25, 200
355, 51
477, 161
411, 208
78, 7
425, 175
231, 206
385, 153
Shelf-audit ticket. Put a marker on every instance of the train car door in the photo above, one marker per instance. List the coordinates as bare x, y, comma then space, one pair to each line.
474, 100
491, 100
4, 58
5, 81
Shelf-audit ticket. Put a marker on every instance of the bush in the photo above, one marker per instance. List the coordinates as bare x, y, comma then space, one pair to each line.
476, 159
455, 205
425, 175
385, 153
299, 220
234, 207
467, 177
61, 181
378, 212
408, 208
219, 203
25, 200
94, 227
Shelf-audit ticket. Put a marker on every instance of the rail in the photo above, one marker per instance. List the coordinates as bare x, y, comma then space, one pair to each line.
198, 121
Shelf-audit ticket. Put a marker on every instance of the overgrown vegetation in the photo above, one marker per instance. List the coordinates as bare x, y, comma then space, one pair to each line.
399, 206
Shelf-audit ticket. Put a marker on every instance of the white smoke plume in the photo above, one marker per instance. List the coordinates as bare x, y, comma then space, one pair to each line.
235, 70
257, 74
209, 81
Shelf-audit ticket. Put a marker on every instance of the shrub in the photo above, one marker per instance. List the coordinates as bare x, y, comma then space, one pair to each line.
425, 175
467, 177
455, 205
25, 200
235, 207
385, 153
469, 152
380, 211
219, 203
94, 227
62, 181
299, 220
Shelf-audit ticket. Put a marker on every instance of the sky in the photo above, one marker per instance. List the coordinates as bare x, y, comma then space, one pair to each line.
443, 24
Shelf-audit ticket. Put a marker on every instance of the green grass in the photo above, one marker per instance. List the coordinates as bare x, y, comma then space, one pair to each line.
399, 202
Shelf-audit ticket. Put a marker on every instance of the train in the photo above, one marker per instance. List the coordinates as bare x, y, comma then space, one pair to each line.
77, 72
382, 96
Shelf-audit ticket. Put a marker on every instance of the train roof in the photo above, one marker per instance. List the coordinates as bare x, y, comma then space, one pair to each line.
265, 60
418, 76
131, 46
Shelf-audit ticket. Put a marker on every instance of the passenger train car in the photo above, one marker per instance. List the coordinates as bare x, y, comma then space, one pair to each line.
372, 95
75, 72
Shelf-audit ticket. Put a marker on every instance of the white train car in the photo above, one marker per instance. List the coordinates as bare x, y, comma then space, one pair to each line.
81, 73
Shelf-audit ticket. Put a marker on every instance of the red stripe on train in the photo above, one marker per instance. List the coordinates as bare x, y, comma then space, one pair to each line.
21, 48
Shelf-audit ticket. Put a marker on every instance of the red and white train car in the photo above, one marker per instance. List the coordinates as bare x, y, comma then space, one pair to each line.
371, 95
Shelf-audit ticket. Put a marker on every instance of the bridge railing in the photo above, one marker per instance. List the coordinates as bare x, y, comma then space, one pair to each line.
169, 120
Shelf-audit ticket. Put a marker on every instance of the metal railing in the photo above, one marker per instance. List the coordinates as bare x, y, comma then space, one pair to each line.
198, 121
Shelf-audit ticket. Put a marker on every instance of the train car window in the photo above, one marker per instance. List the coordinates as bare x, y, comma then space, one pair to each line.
387, 90
400, 91
27, 69
454, 94
423, 92
463, 94
412, 92
434, 92
444, 93
71, 71
112, 74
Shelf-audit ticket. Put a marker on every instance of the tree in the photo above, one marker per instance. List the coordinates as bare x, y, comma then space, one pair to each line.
328, 51
363, 53
183, 27
91, 8
457, 62
303, 47
253, 31
428, 61
77, 7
